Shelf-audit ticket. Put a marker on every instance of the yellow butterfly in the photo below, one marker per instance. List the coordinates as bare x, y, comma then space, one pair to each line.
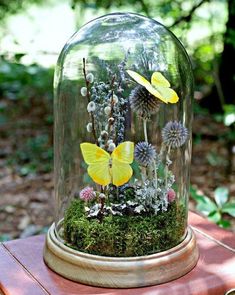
104, 168
159, 86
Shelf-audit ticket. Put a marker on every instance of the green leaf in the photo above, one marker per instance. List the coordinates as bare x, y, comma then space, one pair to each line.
224, 223
229, 119
206, 205
229, 208
221, 196
214, 216
136, 169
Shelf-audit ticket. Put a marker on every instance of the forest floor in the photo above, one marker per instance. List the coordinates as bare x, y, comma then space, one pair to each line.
26, 186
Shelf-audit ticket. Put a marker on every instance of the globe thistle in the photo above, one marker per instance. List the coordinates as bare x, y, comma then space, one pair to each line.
174, 134
90, 78
143, 102
87, 194
144, 153
91, 107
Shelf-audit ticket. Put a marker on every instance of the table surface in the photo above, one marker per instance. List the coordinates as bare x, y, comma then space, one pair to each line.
23, 271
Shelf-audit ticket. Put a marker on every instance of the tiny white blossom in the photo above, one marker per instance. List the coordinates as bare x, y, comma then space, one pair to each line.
111, 147
109, 141
111, 120
107, 110
91, 106
84, 91
89, 127
115, 99
104, 134
102, 196
90, 78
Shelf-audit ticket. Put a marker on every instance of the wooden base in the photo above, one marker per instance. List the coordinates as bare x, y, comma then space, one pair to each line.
121, 272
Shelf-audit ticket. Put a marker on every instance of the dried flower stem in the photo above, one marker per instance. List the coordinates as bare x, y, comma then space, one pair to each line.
112, 103
168, 162
145, 130
154, 162
155, 173
89, 99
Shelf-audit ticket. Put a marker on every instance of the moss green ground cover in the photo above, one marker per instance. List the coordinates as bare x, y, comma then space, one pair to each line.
123, 236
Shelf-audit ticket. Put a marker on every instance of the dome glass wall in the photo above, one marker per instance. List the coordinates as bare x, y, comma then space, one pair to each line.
123, 112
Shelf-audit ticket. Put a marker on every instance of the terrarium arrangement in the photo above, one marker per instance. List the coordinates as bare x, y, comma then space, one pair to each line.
122, 136
128, 206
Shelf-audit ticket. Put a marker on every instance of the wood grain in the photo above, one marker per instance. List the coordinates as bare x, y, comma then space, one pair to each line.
121, 272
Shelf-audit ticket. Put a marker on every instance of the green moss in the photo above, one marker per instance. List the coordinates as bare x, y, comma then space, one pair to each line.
123, 236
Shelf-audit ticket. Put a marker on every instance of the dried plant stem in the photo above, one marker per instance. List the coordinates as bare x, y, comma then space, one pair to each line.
112, 105
166, 168
89, 99
145, 130
154, 162
155, 173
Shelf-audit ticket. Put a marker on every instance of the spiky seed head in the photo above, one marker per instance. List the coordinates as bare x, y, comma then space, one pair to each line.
174, 134
144, 153
143, 103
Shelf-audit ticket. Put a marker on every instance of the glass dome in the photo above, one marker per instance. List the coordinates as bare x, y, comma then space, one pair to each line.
123, 114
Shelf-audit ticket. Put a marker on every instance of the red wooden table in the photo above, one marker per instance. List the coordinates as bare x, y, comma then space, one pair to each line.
23, 272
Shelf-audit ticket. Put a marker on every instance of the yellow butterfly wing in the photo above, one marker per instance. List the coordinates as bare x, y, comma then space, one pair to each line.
124, 152
122, 157
100, 173
158, 79
168, 94
98, 161
121, 172
138, 78
156, 93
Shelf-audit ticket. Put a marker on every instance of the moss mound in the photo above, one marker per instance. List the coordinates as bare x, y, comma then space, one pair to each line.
123, 236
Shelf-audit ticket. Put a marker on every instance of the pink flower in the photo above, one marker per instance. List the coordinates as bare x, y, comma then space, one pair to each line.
87, 194
171, 195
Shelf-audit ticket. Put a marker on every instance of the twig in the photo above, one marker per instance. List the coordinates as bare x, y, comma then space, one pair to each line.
89, 99
110, 123
187, 18
145, 7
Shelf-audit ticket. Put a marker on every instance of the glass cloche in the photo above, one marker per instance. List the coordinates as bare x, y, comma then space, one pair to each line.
122, 137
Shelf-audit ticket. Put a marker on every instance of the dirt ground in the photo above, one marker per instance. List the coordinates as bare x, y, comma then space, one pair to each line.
26, 202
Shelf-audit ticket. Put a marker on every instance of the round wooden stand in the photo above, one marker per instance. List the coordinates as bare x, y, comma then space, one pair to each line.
121, 272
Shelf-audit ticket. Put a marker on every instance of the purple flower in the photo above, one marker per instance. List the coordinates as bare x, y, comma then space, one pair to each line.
87, 194
174, 134
144, 153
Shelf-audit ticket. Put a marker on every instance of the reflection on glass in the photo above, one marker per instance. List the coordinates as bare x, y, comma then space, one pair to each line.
123, 92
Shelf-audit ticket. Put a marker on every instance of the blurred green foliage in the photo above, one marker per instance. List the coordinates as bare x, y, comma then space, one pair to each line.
25, 83
13, 6
28, 88
26, 99
217, 208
